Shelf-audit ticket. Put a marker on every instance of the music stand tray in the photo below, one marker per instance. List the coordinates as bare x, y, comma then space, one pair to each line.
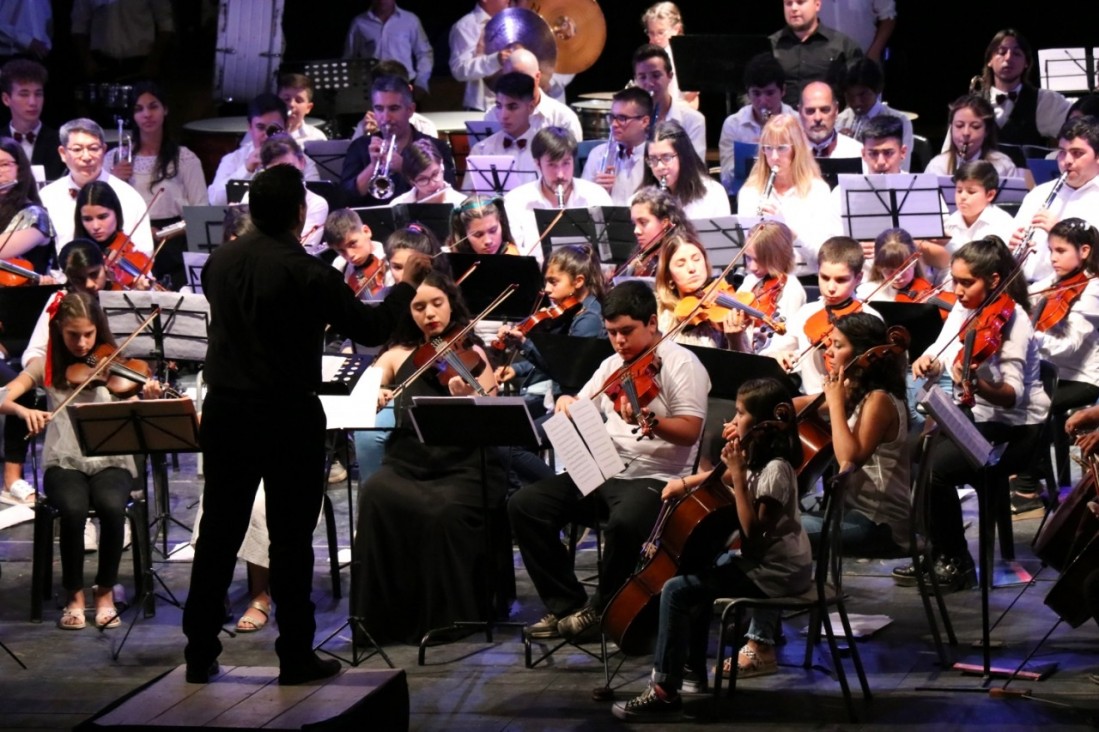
193, 264
491, 273
179, 333
1068, 70
871, 203
205, 227
329, 156
495, 174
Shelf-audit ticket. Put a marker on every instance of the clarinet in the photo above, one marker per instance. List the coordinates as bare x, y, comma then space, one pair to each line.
1029, 233
767, 191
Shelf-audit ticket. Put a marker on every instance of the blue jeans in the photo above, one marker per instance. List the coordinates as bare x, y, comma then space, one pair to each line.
370, 444
686, 604
859, 535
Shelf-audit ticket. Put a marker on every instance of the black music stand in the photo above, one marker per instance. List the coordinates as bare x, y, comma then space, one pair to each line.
923, 322
205, 227
495, 174
434, 216
615, 241
153, 427
341, 86
575, 226
571, 360
329, 156
382, 220
871, 203
729, 369
236, 189
716, 62
492, 273
832, 168
486, 422
723, 236
193, 264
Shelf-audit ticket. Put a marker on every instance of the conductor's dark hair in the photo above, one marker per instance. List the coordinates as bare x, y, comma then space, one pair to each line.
762, 70
516, 85
633, 298
275, 199
264, 103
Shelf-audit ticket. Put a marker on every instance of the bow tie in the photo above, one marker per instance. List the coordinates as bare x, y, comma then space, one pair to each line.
508, 142
1001, 98
74, 192
625, 151
19, 137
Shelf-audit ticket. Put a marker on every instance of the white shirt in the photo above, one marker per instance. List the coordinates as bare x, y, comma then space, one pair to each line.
122, 29
849, 124
1082, 202
307, 133
548, 113
857, 18
400, 38
992, 221
792, 300
521, 201
1002, 163
234, 167
714, 202
466, 65
629, 170
494, 145
684, 386
693, 123
1049, 117
812, 366
61, 204
1073, 344
23, 21
1016, 364
316, 212
186, 188
846, 147
451, 196
741, 126
812, 218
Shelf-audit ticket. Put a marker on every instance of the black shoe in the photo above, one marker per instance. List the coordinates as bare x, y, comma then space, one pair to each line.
311, 669
544, 629
648, 707
905, 576
956, 573
201, 673
694, 682
582, 625
1025, 503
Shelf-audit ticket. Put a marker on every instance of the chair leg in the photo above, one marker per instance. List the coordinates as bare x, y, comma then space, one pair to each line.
42, 563
855, 657
841, 673
812, 638
999, 502
1061, 452
333, 546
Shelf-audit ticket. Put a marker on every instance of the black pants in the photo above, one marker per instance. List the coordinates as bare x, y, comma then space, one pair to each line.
1069, 395
246, 438
539, 511
73, 493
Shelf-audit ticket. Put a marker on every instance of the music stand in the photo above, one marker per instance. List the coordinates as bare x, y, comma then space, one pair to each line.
492, 273
153, 427
205, 227
723, 236
871, 203
575, 226
479, 129
341, 86
236, 190
614, 227
329, 156
495, 174
382, 220
485, 422
21, 308
434, 216
1068, 70
193, 264
1043, 169
571, 360
832, 168
922, 320
716, 62
729, 369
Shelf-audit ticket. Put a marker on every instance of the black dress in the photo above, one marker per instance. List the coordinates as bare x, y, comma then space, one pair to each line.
420, 535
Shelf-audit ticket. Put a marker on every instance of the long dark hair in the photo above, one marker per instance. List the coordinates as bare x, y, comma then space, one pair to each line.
97, 193
690, 185
407, 334
981, 107
25, 191
167, 158
990, 256
865, 331
760, 398
74, 305
1078, 232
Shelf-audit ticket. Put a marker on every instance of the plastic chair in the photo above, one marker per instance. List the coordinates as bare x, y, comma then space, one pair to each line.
826, 593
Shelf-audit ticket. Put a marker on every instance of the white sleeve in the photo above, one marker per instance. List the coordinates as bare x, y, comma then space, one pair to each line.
231, 167
194, 182
1052, 111
726, 146
464, 65
1013, 352
424, 55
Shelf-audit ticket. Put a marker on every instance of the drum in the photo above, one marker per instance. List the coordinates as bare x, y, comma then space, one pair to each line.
593, 118
452, 128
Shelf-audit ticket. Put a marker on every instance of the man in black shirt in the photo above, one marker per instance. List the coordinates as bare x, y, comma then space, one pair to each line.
810, 51
269, 303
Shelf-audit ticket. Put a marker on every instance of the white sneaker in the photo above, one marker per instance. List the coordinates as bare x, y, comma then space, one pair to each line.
21, 493
91, 539
337, 473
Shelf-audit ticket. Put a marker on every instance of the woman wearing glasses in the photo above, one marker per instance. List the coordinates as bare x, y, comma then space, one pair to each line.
424, 167
796, 194
673, 164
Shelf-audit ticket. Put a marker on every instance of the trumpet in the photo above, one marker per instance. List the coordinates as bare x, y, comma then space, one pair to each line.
767, 191
381, 184
560, 191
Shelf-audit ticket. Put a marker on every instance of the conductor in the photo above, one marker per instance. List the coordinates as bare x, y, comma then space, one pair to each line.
269, 304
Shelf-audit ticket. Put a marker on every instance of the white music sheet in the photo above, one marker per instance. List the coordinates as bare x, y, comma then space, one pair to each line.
357, 410
581, 442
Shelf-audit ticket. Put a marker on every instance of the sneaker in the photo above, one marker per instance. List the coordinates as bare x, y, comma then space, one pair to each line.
957, 573
19, 493
581, 625
337, 473
649, 707
544, 628
91, 540
694, 682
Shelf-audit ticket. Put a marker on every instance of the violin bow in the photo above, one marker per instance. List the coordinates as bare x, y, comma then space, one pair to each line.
103, 364
457, 337
133, 229
643, 249
906, 265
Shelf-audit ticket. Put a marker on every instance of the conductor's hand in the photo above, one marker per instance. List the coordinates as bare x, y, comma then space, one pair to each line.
416, 267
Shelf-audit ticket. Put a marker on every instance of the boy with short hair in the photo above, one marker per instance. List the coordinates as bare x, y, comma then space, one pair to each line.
619, 164
514, 106
883, 148
862, 89
352, 240
652, 71
23, 92
297, 91
840, 264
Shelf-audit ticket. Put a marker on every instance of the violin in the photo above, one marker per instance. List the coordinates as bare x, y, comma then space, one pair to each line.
768, 292
124, 263
723, 299
369, 278
635, 384
981, 336
123, 377
819, 328
921, 291
17, 273
1057, 301
642, 263
450, 355
688, 533
542, 315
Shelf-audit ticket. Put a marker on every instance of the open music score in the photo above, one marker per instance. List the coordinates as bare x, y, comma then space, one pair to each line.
349, 391
972, 443
581, 442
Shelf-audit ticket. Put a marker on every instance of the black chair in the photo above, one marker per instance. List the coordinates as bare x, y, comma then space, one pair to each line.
825, 593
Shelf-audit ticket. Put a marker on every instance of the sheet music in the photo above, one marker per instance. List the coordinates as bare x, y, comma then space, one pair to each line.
358, 410
964, 433
583, 445
589, 422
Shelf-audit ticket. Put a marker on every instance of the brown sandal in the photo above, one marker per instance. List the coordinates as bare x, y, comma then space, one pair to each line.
755, 665
251, 624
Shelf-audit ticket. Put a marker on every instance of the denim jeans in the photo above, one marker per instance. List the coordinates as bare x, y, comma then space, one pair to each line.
370, 444
859, 535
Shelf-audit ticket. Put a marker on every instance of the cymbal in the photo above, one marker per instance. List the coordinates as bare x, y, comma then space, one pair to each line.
580, 31
521, 27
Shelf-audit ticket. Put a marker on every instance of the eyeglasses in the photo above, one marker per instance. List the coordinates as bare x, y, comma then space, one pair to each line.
664, 160
5, 164
780, 149
426, 180
621, 118
90, 149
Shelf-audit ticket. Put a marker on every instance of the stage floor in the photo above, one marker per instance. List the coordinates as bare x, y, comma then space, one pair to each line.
473, 685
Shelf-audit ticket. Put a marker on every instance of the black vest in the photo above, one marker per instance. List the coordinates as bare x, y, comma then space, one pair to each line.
1021, 127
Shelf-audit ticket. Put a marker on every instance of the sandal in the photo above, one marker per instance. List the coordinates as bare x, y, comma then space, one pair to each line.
107, 619
248, 624
71, 619
756, 666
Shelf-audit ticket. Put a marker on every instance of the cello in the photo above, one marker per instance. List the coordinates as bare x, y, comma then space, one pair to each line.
689, 532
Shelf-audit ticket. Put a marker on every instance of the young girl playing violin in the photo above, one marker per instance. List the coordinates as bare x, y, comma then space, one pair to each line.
769, 259
865, 401
1065, 312
683, 270
72, 482
99, 218
1002, 382
655, 215
892, 250
419, 540
480, 225
774, 558
975, 187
